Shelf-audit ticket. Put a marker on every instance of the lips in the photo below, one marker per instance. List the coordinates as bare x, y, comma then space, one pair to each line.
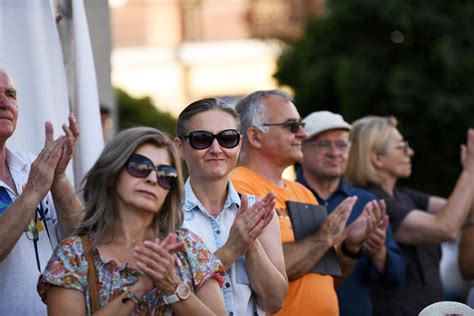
147, 193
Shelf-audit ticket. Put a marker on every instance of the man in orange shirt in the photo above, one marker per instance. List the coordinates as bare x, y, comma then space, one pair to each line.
273, 133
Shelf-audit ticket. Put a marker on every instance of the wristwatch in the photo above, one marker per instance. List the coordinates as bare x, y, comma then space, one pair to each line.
182, 292
350, 254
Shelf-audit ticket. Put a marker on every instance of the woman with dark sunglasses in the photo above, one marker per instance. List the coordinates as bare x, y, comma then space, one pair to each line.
241, 231
139, 262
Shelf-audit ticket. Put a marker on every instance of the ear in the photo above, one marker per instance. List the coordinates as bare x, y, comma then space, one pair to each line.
376, 159
254, 137
179, 146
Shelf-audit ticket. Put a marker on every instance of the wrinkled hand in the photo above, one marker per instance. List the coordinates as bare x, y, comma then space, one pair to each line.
364, 225
41, 174
71, 133
157, 260
334, 225
376, 240
250, 222
467, 152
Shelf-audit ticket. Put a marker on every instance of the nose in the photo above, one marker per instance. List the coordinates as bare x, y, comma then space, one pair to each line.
152, 177
301, 133
5, 101
215, 146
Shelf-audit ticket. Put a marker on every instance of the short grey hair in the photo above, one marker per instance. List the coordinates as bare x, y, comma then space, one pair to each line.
252, 111
3, 70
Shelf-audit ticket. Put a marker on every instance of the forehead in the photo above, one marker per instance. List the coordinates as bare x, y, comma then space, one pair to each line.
158, 155
280, 110
212, 120
395, 135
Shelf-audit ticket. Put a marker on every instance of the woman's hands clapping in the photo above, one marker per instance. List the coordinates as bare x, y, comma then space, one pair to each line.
157, 260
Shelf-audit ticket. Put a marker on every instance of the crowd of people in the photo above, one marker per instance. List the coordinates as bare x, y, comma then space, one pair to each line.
142, 240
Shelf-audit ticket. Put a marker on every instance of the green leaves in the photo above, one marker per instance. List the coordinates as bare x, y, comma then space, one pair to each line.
412, 59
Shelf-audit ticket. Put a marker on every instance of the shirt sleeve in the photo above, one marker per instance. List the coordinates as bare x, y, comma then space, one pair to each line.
66, 268
202, 264
419, 198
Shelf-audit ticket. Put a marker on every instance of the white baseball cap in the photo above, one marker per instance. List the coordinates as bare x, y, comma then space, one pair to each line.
321, 121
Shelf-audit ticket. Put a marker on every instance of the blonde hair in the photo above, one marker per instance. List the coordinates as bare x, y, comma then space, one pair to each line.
369, 135
100, 192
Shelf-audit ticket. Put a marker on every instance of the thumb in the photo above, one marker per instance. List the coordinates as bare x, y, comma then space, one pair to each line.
244, 204
384, 222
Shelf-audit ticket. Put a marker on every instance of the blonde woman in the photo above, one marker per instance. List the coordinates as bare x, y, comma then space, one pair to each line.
378, 157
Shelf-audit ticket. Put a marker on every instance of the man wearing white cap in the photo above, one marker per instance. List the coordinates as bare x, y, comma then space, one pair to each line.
325, 154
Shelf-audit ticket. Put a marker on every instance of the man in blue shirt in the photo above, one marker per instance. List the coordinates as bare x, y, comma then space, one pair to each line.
325, 152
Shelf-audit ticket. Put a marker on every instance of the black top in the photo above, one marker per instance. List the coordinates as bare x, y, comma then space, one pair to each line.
422, 285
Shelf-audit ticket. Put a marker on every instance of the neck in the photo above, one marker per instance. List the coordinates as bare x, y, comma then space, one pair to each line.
323, 186
211, 193
134, 227
265, 167
5, 174
388, 184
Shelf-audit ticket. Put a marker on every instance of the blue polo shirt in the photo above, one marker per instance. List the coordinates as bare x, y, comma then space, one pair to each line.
354, 293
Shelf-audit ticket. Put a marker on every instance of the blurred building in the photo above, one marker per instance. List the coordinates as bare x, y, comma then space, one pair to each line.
178, 51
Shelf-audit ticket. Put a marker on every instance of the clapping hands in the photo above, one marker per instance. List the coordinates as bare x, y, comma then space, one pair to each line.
157, 260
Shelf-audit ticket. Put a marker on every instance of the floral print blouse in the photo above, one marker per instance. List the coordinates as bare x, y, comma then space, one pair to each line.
195, 264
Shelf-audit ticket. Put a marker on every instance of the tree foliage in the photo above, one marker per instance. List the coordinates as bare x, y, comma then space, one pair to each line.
411, 59
142, 112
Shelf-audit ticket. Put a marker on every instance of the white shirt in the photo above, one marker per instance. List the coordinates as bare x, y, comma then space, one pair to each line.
19, 270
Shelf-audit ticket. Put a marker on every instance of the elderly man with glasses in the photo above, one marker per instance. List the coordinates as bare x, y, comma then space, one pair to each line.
273, 135
325, 153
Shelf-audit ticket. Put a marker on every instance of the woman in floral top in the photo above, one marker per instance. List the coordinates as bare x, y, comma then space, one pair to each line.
144, 264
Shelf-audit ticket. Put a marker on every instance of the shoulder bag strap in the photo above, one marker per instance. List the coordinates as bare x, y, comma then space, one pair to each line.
91, 275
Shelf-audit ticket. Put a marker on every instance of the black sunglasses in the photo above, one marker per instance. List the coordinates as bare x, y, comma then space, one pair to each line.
293, 126
228, 138
140, 166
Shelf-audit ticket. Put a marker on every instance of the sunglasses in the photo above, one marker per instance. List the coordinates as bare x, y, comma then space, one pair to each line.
228, 138
293, 126
140, 167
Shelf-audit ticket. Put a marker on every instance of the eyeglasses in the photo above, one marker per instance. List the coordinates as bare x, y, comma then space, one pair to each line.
228, 138
403, 145
326, 145
140, 166
293, 126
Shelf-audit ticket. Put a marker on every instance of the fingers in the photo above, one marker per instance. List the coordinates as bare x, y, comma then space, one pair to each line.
170, 243
384, 222
73, 126
335, 223
49, 133
161, 269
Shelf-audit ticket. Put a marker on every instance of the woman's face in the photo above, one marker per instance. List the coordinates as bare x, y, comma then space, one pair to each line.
396, 160
143, 194
214, 162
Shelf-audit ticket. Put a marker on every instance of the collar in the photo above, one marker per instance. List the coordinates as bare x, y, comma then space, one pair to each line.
343, 187
15, 161
191, 202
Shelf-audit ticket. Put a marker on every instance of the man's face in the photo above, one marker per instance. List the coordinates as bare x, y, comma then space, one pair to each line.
279, 142
325, 155
8, 107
